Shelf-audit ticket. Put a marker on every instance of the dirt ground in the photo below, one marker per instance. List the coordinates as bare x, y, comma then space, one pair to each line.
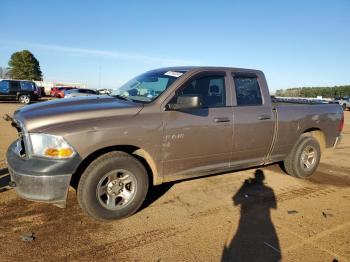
207, 219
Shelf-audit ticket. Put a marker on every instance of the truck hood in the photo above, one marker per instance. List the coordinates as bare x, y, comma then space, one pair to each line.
40, 116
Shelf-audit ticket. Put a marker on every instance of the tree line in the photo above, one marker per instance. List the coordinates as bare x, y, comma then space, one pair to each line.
325, 92
22, 65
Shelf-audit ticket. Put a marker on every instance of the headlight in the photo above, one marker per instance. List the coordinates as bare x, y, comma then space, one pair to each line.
51, 146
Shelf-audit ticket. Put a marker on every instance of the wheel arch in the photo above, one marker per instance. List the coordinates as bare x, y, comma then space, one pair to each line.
318, 134
20, 94
142, 155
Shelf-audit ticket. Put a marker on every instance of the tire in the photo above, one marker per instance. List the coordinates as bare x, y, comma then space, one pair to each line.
344, 107
301, 162
113, 186
24, 99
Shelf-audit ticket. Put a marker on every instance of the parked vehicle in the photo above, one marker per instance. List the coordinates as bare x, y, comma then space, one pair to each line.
104, 91
164, 125
58, 92
53, 91
344, 102
79, 92
21, 90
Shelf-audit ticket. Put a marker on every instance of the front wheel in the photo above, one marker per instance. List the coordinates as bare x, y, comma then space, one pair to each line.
113, 186
24, 99
304, 158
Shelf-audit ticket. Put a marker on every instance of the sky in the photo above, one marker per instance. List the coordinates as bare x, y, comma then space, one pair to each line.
105, 43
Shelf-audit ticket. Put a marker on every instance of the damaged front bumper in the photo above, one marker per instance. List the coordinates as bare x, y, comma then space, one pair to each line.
41, 179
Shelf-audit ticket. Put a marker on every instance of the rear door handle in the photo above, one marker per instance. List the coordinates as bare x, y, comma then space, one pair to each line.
264, 117
221, 119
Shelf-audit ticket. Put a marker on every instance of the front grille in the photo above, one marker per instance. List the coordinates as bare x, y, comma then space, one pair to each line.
22, 148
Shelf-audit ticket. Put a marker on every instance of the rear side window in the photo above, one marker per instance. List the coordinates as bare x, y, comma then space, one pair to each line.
4, 86
27, 86
247, 91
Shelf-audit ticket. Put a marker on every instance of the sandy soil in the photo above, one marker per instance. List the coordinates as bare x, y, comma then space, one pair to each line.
206, 219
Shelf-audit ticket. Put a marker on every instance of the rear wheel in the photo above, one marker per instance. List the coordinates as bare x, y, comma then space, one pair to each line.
24, 99
304, 158
113, 186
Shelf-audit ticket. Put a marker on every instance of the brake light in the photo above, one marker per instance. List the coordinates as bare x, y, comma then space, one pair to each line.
341, 123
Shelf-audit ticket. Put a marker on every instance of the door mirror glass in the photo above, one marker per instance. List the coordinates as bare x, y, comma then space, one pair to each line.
186, 101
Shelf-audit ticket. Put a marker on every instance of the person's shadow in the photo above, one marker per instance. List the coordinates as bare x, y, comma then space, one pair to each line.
255, 238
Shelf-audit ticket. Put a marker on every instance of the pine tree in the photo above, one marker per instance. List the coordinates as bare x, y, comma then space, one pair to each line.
23, 65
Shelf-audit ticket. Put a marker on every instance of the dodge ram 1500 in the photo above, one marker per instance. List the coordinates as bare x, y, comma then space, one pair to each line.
164, 125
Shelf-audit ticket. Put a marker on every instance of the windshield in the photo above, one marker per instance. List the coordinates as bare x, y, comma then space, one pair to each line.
148, 86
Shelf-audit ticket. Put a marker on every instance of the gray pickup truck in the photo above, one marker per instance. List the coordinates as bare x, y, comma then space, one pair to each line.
164, 125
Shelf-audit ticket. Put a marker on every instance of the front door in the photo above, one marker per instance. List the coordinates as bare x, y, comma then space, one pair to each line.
198, 140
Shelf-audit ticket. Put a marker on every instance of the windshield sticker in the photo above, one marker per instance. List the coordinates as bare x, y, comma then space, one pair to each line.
173, 73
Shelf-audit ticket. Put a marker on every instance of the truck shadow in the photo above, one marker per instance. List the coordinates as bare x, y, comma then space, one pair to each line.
4, 179
325, 174
154, 193
4, 171
255, 238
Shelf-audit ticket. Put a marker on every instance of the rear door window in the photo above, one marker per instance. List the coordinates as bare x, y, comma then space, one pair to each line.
247, 91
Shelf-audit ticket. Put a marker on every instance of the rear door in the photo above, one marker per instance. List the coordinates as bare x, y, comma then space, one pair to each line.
253, 119
199, 140
15, 88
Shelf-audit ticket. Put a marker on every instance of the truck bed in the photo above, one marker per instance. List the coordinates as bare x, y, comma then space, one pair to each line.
294, 119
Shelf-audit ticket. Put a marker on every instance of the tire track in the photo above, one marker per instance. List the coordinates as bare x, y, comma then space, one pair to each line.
128, 243
303, 192
312, 240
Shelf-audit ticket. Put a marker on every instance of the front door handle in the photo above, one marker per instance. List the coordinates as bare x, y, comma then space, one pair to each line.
221, 119
264, 117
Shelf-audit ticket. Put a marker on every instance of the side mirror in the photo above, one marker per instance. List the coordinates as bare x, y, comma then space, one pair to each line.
186, 102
